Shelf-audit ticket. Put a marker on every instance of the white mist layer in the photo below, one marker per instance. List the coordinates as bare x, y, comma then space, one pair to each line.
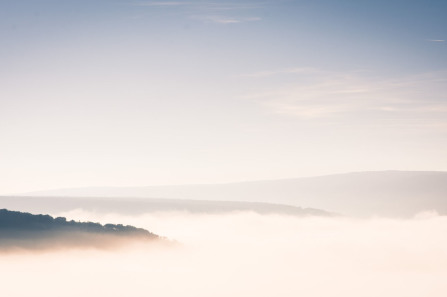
246, 254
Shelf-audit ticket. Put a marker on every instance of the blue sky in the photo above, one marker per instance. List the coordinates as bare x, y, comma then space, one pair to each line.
168, 92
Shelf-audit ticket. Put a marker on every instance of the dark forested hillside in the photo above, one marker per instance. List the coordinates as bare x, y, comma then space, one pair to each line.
19, 229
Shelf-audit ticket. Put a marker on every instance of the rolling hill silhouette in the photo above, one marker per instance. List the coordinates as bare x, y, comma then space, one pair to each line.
25, 230
382, 193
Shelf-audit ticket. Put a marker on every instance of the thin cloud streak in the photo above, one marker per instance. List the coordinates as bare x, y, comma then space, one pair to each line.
320, 94
226, 20
281, 71
209, 12
163, 3
202, 4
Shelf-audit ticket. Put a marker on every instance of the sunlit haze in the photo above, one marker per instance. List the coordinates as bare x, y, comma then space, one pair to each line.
211, 148
136, 93
247, 255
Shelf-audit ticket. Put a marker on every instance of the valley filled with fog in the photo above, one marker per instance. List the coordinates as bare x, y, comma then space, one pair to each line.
387, 238
243, 254
223, 148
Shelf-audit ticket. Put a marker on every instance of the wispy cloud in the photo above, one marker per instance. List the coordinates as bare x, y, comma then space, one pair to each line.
436, 40
210, 5
280, 71
163, 3
217, 12
318, 94
218, 19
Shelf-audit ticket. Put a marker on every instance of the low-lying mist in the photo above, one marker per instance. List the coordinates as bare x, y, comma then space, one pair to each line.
245, 254
29, 242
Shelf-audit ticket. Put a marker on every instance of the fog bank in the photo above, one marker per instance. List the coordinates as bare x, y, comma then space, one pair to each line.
247, 254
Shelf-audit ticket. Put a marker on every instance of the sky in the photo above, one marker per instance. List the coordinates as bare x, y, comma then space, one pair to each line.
139, 93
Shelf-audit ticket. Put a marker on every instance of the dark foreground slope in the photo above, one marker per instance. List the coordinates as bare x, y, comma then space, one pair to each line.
25, 230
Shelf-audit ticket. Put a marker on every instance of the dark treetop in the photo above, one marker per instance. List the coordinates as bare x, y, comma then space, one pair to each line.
15, 224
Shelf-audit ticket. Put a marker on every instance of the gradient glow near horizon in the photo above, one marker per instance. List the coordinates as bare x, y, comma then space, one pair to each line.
134, 93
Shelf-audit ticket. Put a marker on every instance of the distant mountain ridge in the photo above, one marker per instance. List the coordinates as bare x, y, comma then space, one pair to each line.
383, 193
137, 206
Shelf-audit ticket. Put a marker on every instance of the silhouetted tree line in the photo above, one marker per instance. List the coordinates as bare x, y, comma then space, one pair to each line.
14, 221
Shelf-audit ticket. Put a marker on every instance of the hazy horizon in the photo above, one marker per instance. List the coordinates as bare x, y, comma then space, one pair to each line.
189, 92
290, 147
393, 194
223, 182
